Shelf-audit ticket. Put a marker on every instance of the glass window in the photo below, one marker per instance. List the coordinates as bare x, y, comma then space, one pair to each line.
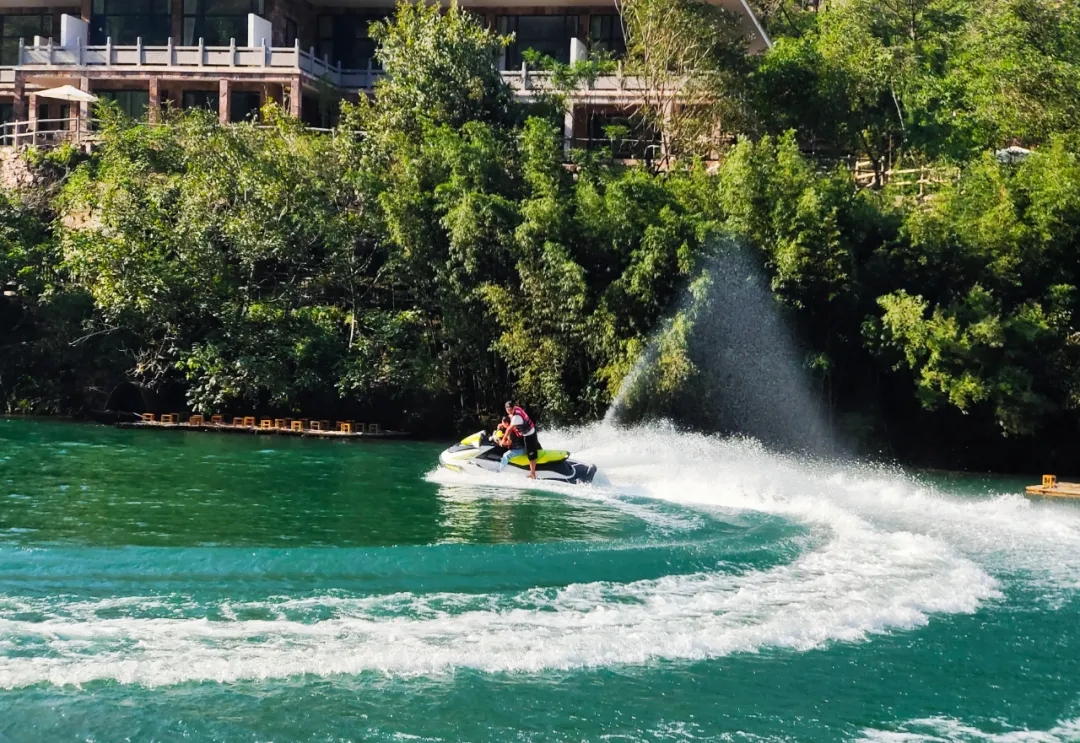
346, 38
206, 99
606, 34
624, 135
547, 34
125, 21
244, 105
59, 121
15, 27
218, 22
132, 102
7, 115
324, 47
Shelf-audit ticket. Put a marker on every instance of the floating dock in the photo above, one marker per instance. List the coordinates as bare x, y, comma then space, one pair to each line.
265, 427
1051, 488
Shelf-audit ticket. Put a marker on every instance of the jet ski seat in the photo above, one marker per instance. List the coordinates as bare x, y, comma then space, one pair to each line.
544, 456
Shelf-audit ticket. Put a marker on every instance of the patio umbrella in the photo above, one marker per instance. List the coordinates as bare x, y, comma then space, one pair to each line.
67, 93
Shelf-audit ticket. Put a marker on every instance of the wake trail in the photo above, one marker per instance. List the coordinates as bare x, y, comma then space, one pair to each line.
889, 554
1005, 531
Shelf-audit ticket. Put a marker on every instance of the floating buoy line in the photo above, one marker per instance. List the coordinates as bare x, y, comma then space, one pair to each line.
266, 426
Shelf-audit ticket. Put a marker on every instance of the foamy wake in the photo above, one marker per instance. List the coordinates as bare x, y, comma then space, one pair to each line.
857, 585
1005, 533
892, 554
947, 729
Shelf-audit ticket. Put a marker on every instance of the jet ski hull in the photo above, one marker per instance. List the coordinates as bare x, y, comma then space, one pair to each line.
476, 455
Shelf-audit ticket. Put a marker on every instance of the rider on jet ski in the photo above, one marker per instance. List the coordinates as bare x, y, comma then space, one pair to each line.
520, 431
498, 435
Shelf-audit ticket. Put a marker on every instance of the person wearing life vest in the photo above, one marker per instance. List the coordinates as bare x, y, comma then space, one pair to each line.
499, 434
521, 427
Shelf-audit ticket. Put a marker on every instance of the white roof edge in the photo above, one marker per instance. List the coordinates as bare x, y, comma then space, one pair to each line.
757, 24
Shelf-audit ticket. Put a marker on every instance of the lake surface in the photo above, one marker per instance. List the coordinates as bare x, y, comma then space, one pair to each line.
160, 586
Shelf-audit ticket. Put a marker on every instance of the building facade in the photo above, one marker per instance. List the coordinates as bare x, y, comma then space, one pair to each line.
232, 55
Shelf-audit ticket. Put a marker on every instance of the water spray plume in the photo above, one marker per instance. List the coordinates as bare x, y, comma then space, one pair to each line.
726, 362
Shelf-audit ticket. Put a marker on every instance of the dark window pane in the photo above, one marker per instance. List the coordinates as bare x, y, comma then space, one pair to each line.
132, 102
9, 51
226, 7
126, 21
547, 34
219, 21
221, 30
206, 99
15, 27
606, 34
625, 136
244, 105
346, 39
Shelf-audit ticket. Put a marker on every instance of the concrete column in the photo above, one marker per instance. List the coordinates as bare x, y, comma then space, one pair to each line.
568, 130
224, 101
154, 110
665, 141
296, 98
20, 97
84, 108
33, 118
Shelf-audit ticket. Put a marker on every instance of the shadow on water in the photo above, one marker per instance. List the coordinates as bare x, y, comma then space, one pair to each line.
746, 373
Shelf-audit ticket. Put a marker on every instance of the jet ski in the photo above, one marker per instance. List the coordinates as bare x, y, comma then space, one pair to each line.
479, 453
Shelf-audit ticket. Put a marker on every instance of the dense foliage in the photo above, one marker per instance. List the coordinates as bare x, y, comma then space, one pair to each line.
436, 254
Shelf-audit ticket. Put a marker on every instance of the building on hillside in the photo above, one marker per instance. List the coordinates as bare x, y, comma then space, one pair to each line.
232, 55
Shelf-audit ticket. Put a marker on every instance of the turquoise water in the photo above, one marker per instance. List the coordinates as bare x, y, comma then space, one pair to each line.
159, 586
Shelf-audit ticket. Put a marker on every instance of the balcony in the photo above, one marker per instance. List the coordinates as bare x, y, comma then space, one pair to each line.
48, 58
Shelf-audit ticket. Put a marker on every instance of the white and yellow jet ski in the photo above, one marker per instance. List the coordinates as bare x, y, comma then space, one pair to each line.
479, 453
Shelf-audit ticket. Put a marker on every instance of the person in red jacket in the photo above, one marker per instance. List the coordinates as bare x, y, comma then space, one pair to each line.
522, 427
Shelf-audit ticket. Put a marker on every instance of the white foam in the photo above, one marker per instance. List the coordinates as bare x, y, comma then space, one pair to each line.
935, 729
1004, 532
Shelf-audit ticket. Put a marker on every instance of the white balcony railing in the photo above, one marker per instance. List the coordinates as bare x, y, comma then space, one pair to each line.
267, 60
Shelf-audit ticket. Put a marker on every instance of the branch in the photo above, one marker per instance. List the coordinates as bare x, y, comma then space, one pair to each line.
88, 336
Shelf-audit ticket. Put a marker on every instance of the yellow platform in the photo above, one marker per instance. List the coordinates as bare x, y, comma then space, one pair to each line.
1051, 488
